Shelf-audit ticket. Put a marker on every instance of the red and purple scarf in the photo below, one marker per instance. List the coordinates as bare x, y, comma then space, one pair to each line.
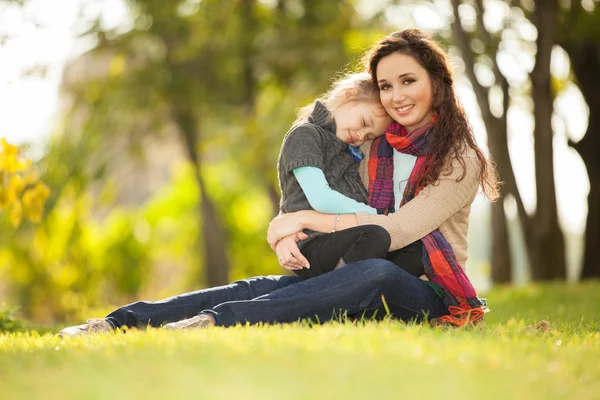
441, 266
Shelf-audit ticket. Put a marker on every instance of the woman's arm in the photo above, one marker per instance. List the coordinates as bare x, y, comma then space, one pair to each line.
434, 205
288, 224
324, 199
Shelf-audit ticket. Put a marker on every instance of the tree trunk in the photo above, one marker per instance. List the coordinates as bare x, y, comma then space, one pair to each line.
501, 260
546, 247
591, 252
182, 105
216, 265
585, 61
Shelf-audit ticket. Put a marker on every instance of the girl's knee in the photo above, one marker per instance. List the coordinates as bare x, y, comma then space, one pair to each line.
379, 238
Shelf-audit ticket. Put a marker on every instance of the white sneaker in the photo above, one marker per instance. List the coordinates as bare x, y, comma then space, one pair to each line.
94, 325
197, 322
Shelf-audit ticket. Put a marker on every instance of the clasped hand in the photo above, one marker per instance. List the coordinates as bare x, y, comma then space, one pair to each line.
283, 235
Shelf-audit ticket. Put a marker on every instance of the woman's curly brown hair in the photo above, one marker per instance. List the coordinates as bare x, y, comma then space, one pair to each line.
452, 131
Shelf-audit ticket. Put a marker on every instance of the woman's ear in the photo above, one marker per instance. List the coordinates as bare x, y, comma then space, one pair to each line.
350, 93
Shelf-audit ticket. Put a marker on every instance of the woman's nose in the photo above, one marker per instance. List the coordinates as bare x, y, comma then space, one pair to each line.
398, 95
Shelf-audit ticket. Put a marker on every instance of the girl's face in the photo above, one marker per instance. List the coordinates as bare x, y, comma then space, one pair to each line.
359, 121
405, 90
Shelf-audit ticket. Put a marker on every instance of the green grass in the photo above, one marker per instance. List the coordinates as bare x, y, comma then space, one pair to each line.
502, 360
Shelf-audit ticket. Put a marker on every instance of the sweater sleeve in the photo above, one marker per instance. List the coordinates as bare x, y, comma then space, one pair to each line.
433, 206
302, 146
324, 199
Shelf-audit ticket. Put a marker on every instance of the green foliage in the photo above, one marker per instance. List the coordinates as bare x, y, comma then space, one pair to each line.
223, 79
76, 260
8, 319
579, 24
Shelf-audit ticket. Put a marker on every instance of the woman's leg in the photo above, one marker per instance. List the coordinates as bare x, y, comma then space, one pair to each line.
157, 313
356, 288
354, 244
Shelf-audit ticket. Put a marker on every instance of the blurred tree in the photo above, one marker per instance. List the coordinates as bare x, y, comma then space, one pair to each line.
546, 246
228, 97
579, 34
543, 236
496, 127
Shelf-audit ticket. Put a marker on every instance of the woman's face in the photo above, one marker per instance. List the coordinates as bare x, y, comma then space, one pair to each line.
405, 90
359, 121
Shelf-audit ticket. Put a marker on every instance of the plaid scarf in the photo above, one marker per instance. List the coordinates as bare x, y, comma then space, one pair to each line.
439, 260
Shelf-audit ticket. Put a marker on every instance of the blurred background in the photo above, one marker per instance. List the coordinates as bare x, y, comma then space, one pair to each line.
153, 130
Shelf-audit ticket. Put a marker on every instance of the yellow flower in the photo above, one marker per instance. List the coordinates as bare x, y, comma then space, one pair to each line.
16, 214
16, 184
9, 158
31, 178
8, 148
16, 179
34, 200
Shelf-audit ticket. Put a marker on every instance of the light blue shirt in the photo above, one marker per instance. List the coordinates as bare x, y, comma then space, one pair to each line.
322, 197
403, 166
326, 200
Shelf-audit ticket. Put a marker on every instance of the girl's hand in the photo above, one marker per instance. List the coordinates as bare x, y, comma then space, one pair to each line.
289, 255
284, 225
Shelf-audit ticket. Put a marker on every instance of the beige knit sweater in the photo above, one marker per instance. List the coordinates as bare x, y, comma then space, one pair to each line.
445, 205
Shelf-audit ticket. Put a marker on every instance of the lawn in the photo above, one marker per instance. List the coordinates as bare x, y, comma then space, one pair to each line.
505, 359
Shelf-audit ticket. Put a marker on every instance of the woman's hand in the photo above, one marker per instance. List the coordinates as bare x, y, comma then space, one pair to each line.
284, 225
289, 255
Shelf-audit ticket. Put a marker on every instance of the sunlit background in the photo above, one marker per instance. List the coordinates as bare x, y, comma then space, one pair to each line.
44, 38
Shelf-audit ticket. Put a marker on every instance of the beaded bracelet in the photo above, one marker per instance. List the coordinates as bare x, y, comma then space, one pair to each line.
337, 218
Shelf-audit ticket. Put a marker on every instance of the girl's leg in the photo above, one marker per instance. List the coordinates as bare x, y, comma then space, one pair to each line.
354, 244
356, 288
157, 313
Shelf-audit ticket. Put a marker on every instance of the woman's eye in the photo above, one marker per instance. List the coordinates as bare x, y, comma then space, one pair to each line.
384, 87
408, 81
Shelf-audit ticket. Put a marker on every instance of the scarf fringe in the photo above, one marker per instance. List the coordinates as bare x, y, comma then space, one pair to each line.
461, 317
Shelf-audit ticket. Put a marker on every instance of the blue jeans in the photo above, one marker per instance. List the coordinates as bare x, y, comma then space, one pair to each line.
356, 289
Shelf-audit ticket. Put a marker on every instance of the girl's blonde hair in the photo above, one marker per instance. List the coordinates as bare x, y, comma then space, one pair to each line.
350, 87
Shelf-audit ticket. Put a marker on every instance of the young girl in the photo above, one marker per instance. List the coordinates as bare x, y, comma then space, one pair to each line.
318, 169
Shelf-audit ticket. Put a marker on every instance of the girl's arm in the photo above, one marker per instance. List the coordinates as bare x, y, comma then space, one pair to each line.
288, 224
434, 205
324, 199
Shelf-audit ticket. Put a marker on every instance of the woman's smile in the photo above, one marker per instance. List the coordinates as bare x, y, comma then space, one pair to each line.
404, 110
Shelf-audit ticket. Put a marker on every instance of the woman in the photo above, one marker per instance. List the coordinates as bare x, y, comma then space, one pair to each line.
416, 89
